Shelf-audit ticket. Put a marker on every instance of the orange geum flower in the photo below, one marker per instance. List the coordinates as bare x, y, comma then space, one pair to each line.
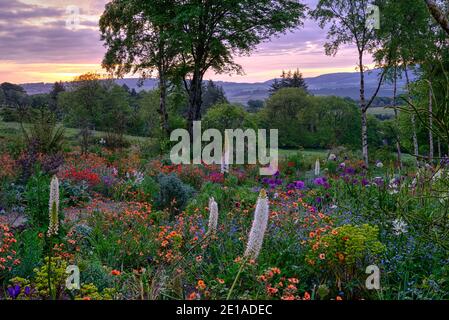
293, 280
272, 291
201, 285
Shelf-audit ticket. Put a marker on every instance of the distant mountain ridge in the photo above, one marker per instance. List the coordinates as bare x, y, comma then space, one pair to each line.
343, 84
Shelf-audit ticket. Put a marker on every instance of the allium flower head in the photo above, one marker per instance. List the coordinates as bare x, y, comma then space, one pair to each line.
213, 216
53, 205
258, 228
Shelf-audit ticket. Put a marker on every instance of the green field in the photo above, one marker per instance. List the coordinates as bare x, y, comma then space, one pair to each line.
13, 129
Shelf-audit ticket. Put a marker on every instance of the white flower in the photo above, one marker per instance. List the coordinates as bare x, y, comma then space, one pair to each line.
393, 186
332, 157
258, 228
379, 165
136, 177
439, 174
342, 165
213, 216
333, 206
53, 206
317, 167
413, 183
102, 141
399, 226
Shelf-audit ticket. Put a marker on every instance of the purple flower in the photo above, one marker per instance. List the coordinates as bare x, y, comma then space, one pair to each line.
14, 291
27, 290
319, 181
378, 181
299, 185
350, 171
365, 182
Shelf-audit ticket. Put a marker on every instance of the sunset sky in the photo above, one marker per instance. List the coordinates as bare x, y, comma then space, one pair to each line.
37, 46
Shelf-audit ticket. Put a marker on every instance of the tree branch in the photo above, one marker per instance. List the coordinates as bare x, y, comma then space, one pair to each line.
438, 15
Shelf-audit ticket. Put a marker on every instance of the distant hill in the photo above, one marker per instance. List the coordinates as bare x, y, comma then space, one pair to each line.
344, 84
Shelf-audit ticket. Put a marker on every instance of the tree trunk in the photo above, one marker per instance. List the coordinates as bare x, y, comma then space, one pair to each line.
163, 103
396, 117
430, 124
415, 137
195, 100
363, 110
438, 15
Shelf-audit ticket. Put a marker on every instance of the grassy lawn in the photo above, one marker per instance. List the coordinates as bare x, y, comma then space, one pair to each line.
13, 129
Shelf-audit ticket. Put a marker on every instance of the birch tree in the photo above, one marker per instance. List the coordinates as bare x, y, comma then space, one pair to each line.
348, 22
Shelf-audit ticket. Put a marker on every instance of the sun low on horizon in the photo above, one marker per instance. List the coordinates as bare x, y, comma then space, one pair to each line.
41, 43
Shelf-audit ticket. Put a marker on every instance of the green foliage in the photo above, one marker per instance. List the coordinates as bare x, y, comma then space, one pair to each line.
13, 95
311, 122
57, 278
212, 94
358, 244
227, 116
37, 194
173, 193
289, 80
47, 137
343, 254
30, 252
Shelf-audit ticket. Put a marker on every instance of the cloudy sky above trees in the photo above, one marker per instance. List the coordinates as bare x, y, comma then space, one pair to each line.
36, 45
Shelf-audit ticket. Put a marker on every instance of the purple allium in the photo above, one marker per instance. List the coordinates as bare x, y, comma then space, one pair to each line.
299, 185
365, 182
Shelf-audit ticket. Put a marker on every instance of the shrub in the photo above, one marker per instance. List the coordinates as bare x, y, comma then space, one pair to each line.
345, 252
48, 137
173, 193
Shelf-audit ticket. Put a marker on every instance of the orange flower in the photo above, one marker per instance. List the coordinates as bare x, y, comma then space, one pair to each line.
338, 298
115, 272
306, 296
272, 291
220, 281
293, 280
201, 285
322, 256
276, 270
192, 296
